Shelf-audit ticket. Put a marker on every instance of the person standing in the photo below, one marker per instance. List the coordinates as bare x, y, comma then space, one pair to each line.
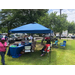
31, 37
26, 39
3, 46
6, 39
33, 44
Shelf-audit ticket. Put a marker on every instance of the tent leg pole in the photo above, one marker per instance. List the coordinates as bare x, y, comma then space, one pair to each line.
50, 49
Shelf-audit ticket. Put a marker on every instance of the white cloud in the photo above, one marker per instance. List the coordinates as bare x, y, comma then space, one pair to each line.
70, 13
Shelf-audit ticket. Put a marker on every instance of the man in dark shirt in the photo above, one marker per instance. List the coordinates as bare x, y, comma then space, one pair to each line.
6, 38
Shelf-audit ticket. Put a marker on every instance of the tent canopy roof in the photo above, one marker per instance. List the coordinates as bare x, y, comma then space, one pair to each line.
31, 28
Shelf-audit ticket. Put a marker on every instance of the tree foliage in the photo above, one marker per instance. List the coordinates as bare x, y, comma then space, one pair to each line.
71, 27
54, 22
12, 18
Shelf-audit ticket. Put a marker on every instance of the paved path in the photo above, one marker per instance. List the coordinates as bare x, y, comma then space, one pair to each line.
68, 38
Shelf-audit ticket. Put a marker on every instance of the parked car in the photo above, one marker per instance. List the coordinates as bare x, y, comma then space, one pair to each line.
19, 37
1, 36
73, 36
62, 36
11, 38
35, 35
69, 36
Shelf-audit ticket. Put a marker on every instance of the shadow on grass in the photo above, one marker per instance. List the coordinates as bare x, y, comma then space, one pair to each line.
67, 47
53, 57
35, 59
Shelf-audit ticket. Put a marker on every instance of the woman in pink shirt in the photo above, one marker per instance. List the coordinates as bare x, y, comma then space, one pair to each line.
3, 46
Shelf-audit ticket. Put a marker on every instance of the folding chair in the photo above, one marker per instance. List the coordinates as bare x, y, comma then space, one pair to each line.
63, 44
48, 50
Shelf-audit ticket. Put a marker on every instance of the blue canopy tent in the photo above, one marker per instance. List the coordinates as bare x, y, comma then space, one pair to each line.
31, 28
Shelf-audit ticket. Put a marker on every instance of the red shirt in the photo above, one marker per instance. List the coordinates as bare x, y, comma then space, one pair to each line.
46, 46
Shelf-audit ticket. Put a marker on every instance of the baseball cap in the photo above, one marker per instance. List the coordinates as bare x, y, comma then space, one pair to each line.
2, 38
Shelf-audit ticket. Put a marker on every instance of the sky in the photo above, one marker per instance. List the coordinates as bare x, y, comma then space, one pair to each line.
70, 13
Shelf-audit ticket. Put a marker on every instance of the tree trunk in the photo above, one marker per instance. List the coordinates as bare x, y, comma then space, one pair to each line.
55, 35
60, 36
8, 30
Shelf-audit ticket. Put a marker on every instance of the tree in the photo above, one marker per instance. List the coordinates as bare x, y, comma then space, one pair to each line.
54, 22
12, 18
3, 30
44, 20
71, 27
61, 24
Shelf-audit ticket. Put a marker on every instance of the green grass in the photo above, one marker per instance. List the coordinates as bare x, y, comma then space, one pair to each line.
58, 56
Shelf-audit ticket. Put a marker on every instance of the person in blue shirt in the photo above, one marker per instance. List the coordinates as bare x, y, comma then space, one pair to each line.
56, 43
6, 38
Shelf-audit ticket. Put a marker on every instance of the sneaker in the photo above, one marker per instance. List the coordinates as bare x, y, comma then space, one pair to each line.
3, 63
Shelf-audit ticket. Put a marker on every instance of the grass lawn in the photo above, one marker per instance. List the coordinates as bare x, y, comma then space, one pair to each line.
58, 56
